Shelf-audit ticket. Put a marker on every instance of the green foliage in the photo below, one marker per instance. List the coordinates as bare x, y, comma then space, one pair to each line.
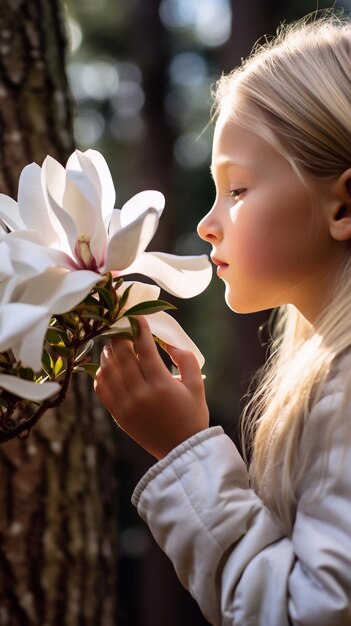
68, 343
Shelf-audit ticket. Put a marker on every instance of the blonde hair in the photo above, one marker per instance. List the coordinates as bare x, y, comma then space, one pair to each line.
295, 92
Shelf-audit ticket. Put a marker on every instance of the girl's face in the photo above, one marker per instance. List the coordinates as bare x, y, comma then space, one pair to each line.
271, 245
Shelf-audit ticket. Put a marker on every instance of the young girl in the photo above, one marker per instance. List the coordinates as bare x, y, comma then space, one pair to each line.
266, 542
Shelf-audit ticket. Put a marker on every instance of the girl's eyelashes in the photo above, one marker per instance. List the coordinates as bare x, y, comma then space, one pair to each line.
236, 193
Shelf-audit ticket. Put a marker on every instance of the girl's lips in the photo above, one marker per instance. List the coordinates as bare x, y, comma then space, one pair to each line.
219, 263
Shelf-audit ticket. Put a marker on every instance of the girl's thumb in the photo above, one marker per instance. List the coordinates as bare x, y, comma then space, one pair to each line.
189, 370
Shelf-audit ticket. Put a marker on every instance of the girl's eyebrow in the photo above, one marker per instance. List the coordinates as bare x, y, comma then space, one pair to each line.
223, 163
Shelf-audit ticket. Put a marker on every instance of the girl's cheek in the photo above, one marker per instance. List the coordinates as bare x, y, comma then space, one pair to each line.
255, 249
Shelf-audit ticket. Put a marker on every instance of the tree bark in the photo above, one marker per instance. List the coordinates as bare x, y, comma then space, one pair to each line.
35, 111
57, 491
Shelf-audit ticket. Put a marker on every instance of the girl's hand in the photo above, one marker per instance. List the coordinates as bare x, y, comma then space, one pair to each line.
155, 409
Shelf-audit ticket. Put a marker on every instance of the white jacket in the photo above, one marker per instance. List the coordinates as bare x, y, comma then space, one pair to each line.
229, 550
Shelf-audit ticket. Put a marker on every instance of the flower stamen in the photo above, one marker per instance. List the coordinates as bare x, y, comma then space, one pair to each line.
83, 253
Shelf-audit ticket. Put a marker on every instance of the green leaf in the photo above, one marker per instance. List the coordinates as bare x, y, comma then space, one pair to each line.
62, 350
4, 358
88, 368
124, 297
92, 316
26, 373
114, 332
55, 336
106, 297
70, 321
47, 363
85, 349
149, 306
89, 300
117, 282
5, 367
134, 324
58, 367
3, 403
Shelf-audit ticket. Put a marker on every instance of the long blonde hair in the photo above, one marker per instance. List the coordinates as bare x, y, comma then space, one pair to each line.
295, 92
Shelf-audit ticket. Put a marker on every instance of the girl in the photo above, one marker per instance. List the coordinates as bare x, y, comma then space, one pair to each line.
266, 542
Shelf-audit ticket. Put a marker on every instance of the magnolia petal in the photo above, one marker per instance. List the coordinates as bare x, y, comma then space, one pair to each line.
140, 292
82, 194
30, 258
81, 170
99, 244
139, 204
30, 349
6, 269
131, 241
182, 276
166, 328
7, 288
169, 331
86, 215
16, 320
108, 194
27, 389
53, 177
84, 175
34, 210
115, 222
9, 213
54, 185
57, 289
28, 235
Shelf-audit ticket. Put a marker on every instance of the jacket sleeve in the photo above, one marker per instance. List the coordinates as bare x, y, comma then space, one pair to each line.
229, 550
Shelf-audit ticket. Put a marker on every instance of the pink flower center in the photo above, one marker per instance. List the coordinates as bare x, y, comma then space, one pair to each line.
83, 253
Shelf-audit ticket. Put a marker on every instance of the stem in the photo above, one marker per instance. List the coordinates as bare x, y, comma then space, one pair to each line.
26, 425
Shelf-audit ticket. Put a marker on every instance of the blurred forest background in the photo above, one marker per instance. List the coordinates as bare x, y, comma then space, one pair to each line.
141, 74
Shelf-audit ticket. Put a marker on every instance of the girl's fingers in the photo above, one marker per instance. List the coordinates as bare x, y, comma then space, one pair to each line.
108, 384
126, 363
190, 372
150, 361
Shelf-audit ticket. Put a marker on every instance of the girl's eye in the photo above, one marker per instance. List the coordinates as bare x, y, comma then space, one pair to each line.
236, 193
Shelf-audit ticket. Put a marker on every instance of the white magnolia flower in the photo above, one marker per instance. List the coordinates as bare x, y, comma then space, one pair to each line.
27, 389
26, 307
64, 234
161, 324
70, 211
19, 323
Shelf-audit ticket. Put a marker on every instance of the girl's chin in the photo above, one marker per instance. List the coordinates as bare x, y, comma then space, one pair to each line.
242, 307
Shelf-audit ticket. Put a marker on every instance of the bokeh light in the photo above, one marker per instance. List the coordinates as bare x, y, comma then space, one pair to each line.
129, 130
96, 80
191, 150
89, 126
187, 69
209, 19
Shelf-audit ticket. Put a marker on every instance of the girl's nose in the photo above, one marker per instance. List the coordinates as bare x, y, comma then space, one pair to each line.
209, 229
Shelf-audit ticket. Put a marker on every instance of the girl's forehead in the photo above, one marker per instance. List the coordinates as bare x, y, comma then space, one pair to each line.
235, 145
230, 137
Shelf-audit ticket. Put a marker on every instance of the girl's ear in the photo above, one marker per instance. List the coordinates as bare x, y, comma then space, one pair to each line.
340, 219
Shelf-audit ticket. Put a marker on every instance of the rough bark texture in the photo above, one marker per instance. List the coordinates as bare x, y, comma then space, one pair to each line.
35, 114
57, 492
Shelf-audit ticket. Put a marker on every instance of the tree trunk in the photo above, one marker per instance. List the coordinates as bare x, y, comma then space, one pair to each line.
154, 165
57, 492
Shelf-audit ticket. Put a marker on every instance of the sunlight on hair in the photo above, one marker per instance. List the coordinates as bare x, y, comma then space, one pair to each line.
292, 92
